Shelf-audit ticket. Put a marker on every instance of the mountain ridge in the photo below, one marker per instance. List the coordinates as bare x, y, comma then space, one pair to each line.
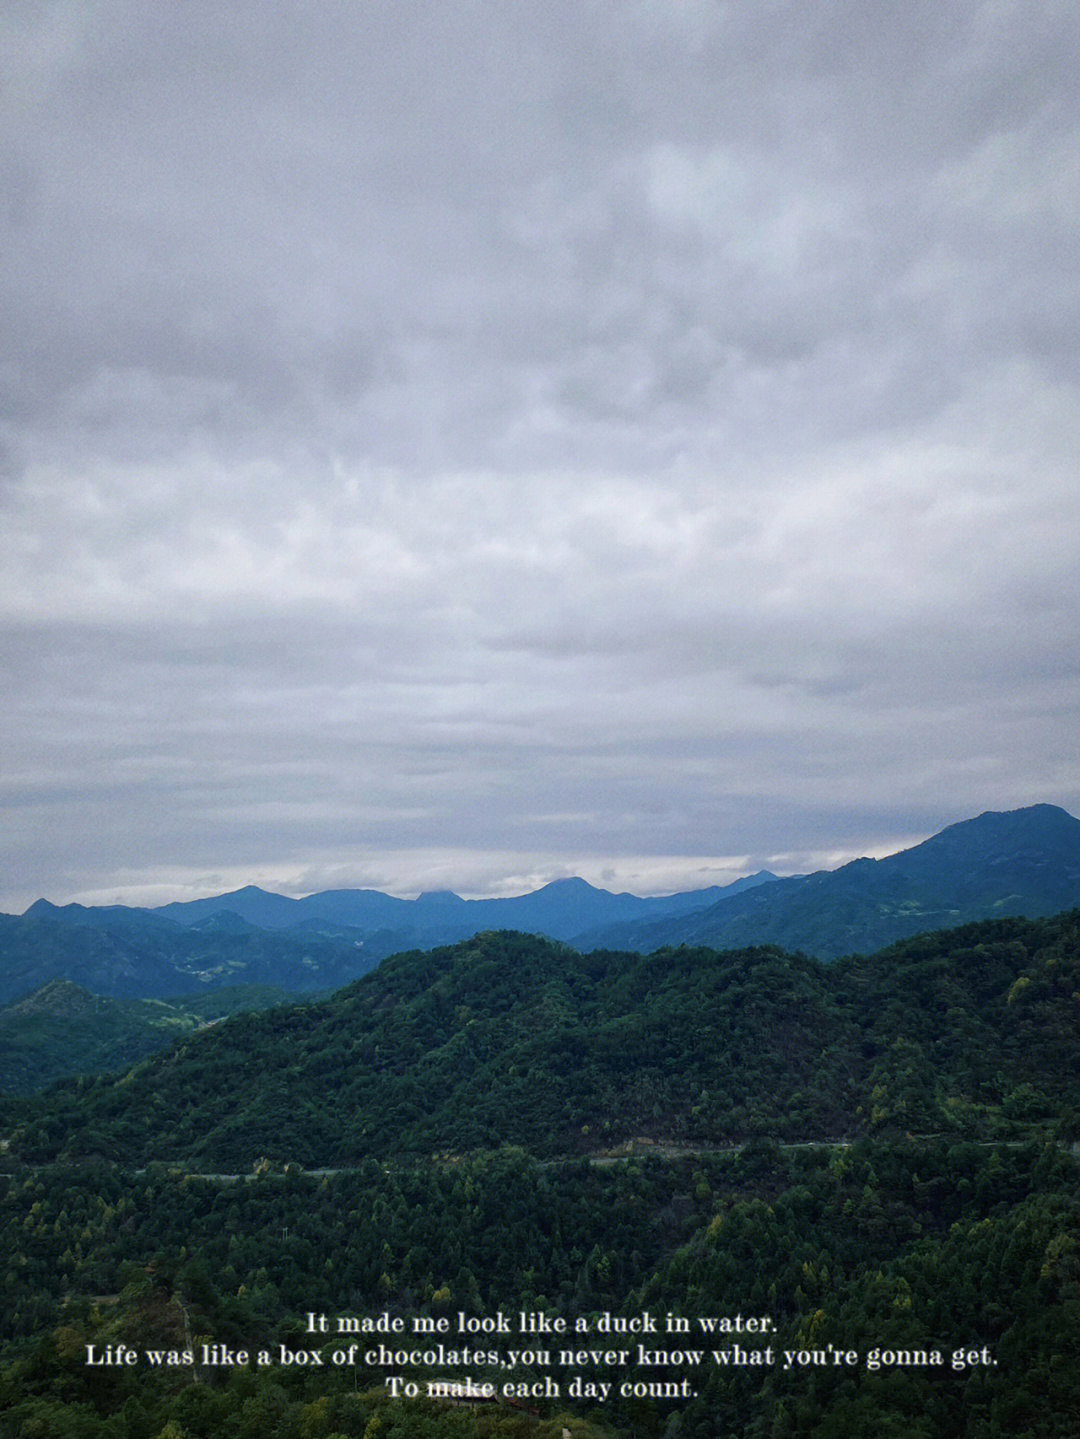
1016, 862
1012, 862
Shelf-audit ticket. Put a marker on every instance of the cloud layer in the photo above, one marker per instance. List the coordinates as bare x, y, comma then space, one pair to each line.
464, 445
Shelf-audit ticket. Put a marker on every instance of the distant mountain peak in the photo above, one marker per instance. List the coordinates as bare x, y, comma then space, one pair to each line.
1040, 823
1024, 861
58, 997
41, 908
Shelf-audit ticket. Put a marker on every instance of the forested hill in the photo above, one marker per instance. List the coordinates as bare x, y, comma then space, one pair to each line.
1020, 862
507, 1038
62, 1029
134, 954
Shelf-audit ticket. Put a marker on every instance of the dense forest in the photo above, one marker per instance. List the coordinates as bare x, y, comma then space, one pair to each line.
508, 1125
511, 1039
62, 1029
956, 1248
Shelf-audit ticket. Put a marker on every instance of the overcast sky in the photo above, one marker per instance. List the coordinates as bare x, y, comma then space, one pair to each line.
461, 444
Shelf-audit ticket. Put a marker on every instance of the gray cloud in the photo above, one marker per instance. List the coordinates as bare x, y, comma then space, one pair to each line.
493, 442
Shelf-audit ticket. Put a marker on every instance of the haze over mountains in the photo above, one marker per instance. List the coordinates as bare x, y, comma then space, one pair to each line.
559, 910
1022, 862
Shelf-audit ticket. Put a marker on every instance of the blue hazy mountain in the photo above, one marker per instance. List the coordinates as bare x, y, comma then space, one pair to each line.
1020, 862
559, 910
251, 936
1023, 862
138, 955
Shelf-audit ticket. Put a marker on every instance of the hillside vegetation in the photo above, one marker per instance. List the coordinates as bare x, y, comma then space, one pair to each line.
511, 1039
62, 1030
481, 1101
892, 1247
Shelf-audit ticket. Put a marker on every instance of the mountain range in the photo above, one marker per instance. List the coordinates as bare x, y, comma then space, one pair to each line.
1021, 862
303, 945
877, 1150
